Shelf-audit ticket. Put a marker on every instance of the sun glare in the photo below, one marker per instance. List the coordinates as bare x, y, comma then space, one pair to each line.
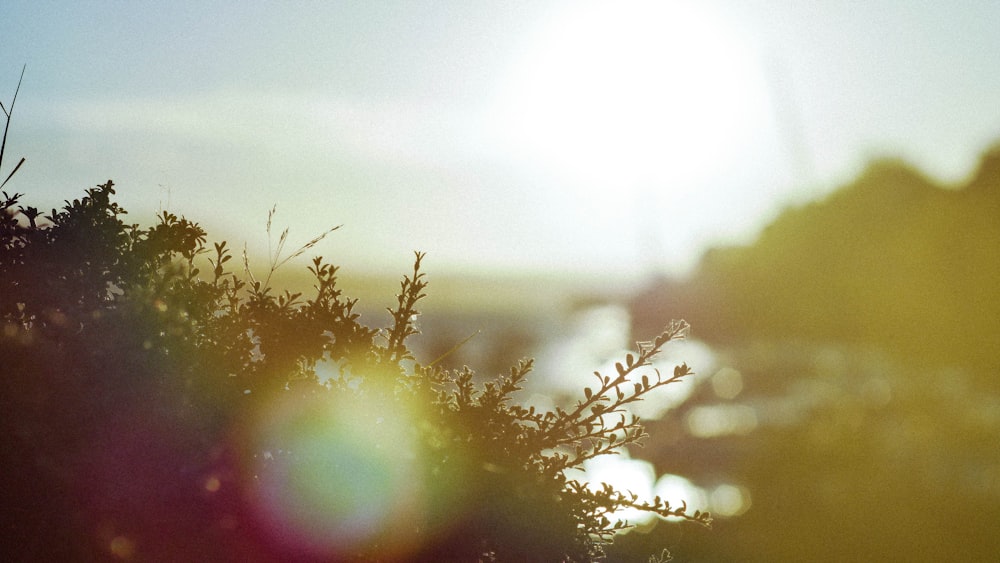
633, 91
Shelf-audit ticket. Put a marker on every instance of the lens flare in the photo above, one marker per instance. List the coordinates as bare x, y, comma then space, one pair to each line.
345, 480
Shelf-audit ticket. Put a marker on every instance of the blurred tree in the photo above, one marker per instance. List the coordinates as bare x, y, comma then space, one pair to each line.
891, 260
863, 328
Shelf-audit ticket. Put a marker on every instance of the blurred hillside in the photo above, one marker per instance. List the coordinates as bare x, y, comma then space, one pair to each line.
858, 402
893, 260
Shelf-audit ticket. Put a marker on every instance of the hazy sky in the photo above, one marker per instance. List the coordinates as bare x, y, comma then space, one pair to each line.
520, 135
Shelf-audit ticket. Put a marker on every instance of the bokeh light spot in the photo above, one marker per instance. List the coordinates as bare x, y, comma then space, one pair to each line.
122, 547
727, 383
624, 474
729, 500
721, 420
213, 484
675, 490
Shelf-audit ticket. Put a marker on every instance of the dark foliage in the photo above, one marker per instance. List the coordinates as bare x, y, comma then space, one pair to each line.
155, 412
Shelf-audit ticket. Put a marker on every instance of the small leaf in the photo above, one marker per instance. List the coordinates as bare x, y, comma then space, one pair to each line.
588, 393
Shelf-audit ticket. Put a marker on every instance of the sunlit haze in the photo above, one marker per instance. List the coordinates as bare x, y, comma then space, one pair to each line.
525, 137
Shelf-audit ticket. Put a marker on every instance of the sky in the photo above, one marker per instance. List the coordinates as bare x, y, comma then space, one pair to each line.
608, 139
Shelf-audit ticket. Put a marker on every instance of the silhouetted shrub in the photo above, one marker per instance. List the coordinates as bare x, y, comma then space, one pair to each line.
152, 411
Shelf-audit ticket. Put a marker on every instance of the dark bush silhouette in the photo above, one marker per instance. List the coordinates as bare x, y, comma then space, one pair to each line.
155, 412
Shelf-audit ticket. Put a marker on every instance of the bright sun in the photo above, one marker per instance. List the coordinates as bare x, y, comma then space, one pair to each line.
634, 91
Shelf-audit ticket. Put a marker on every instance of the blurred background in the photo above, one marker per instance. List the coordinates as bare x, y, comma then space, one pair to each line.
814, 186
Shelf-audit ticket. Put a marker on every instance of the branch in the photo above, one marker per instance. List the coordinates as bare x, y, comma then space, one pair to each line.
3, 144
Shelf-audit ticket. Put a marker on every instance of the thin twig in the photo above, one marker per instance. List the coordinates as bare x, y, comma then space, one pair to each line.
454, 348
11, 175
8, 113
